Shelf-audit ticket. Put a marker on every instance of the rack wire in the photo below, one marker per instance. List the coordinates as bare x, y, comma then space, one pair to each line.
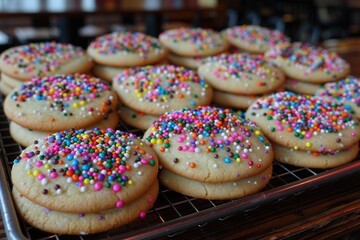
172, 213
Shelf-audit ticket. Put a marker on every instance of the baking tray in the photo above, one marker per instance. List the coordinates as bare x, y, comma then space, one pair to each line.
172, 213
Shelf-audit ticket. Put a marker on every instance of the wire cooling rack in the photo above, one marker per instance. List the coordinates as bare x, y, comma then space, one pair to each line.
173, 213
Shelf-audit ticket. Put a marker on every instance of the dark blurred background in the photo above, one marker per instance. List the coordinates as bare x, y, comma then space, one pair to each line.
79, 21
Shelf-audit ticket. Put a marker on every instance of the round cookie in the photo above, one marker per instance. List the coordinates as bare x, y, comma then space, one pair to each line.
85, 171
234, 100
305, 122
126, 49
79, 223
193, 42
157, 89
189, 62
241, 73
4, 88
308, 63
315, 159
44, 59
209, 144
10, 81
60, 102
254, 39
26, 136
136, 119
302, 87
106, 72
346, 91
216, 191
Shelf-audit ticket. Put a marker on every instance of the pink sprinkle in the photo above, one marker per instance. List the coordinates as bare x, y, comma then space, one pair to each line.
119, 204
97, 186
116, 188
38, 163
41, 176
53, 175
244, 155
142, 214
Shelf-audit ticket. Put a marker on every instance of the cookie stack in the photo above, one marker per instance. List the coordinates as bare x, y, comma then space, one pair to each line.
254, 39
189, 46
44, 105
239, 79
346, 91
210, 153
307, 67
20, 63
147, 92
85, 181
307, 131
115, 51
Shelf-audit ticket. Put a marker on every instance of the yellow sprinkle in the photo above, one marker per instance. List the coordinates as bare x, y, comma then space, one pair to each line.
29, 172
138, 95
296, 148
257, 132
47, 166
86, 181
75, 105
303, 133
82, 103
141, 144
130, 182
159, 141
153, 141
36, 172
308, 144
283, 120
238, 160
118, 145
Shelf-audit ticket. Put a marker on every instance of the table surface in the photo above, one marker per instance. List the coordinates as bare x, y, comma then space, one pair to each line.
337, 215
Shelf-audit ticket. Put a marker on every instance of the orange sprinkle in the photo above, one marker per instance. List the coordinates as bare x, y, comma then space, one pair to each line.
162, 149
192, 165
128, 167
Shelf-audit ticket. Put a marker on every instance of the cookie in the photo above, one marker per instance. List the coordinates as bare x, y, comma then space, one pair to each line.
346, 91
308, 63
58, 222
43, 59
234, 100
241, 74
193, 42
106, 72
4, 88
305, 122
126, 49
158, 89
216, 191
85, 171
189, 62
314, 159
10, 81
60, 102
302, 87
254, 39
209, 144
136, 119
26, 137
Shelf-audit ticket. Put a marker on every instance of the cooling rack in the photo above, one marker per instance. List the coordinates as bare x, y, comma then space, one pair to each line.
172, 213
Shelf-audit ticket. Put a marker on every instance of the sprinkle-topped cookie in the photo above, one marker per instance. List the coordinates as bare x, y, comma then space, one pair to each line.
241, 73
126, 49
346, 91
307, 62
60, 102
44, 59
157, 89
254, 39
209, 144
305, 122
85, 170
193, 42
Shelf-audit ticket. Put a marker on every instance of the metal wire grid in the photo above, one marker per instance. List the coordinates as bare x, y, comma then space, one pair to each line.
170, 206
